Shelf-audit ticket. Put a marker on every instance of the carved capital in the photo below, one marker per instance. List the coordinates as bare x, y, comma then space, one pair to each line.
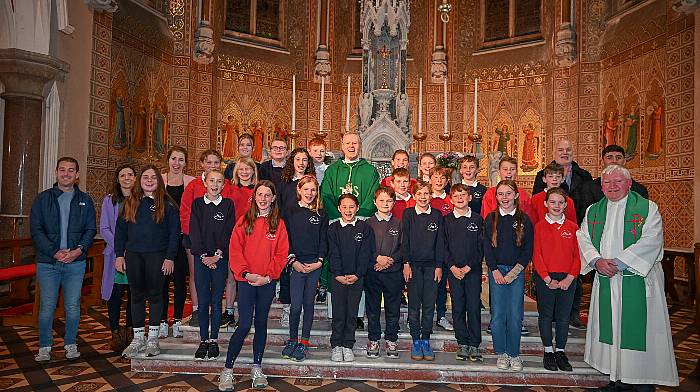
322, 68
686, 6
565, 46
102, 5
438, 66
203, 44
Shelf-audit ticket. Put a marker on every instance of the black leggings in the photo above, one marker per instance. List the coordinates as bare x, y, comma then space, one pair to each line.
253, 302
554, 306
145, 282
114, 306
303, 291
179, 279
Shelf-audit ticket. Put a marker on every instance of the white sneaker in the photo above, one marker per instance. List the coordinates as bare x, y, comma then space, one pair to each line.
136, 346
337, 354
259, 379
503, 362
348, 355
163, 331
226, 380
72, 351
516, 364
177, 329
445, 324
152, 348
43, 355
284, 320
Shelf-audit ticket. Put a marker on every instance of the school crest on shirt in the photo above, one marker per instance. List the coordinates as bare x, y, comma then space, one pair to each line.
477, 195
515, 225
432, 226
359, 237
472, 227
153, 207
566, 234
394, 231
271, 236
219, 216
445, 207
314, 220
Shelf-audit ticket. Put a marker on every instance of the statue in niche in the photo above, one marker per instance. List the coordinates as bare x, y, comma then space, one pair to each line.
609, 130
119, 124
281, 133
494, 160
503, 143
159, 132
366, 109
655, 131
258, 134
382, 150
402, 111
230, 138
632, 125
139, 141
531, 144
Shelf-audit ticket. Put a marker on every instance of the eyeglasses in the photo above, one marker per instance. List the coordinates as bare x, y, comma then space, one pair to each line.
278, 148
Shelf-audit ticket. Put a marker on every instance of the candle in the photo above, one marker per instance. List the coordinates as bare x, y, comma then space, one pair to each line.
420, 107
320, 117
476, 94
444, 90
294, 102
347, 109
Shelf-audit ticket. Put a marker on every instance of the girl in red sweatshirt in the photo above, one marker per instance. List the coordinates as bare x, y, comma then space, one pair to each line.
557, 263
258, 252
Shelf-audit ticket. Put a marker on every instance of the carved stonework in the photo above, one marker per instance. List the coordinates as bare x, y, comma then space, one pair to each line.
323, 63
102, 5
565, 46
203, 44
686, 6
438, 66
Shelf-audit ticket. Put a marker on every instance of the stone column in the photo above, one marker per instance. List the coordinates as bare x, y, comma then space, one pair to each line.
438, 63
322, 67
25, 76
565, 45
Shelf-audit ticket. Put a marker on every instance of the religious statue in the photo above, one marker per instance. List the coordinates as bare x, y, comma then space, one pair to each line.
230, 138
609, 129
140, 130
530, 146
366, 109
258, 134
494, 160
159, 133
402, 111
203, 44
654, 145
503, 143
119, 124
632, 125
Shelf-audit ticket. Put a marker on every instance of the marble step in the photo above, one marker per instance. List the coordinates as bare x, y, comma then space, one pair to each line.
440, 340
179, 358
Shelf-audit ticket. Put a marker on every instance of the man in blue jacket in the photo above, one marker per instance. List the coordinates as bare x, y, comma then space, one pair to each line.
62, 225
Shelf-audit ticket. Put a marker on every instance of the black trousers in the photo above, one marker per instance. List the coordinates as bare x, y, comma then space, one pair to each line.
466, 307
145, 283
389, 285
303, 292
285, 296
554, 306
578, 292
422, 293
346, 302
179, 279
114, 306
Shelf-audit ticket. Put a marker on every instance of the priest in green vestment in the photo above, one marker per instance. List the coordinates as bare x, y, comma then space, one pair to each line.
629, 334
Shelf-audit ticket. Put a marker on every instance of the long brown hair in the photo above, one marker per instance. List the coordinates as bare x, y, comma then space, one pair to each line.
160, 197
117, 194
273, 218
288, 170
316, 205
519, 216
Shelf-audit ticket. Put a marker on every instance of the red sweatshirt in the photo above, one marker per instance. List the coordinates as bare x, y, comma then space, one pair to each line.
400, 206
556, 248
540, 210
242, 197
490, 203
196, 189
444, 205
260, 253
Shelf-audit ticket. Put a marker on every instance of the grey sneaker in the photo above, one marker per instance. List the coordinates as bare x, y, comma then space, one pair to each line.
503, 362
177, 329
152, 348
348, 355
163, 330
391, 350
516, 364
259, 379
337, 354
43, 355
284, 320
373, 349
463, 352
226, 380
445, 324
475, 354
72, 351
136, 346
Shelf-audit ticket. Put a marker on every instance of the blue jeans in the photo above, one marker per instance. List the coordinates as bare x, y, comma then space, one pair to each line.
51, 277
507, 312
210, 285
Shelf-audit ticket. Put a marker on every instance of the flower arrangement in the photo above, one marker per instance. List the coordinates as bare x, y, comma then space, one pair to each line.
448, 159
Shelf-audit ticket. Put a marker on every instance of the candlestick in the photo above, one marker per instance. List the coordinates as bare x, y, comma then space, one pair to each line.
320, 117
476, 94
347, 109
444, 88
294, 102
420, 107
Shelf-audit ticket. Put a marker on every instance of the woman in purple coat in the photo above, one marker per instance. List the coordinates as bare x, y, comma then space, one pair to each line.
114, 283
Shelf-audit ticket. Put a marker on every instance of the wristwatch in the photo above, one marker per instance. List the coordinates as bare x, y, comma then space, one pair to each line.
244, 274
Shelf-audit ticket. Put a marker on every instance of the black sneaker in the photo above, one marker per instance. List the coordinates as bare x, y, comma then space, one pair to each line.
194, 320
360, 323
201, 352
227, 320
488, 329
524, 331
321, 295
562, 361
213, 352
550, 362
404, 300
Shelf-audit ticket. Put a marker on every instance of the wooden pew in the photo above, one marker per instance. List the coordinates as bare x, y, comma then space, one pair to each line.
668, 264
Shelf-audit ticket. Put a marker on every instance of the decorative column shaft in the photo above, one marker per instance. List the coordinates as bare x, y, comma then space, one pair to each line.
565, 45
322, 68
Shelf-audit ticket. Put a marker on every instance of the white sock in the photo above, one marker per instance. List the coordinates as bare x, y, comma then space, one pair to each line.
153, 332
560, 350
548, 349
195, 307
139, 333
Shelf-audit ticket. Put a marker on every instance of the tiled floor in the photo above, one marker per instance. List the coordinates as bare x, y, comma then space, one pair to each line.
100, 370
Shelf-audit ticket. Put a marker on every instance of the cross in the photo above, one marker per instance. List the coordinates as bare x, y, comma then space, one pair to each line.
593, 224
384, 52
637, 221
